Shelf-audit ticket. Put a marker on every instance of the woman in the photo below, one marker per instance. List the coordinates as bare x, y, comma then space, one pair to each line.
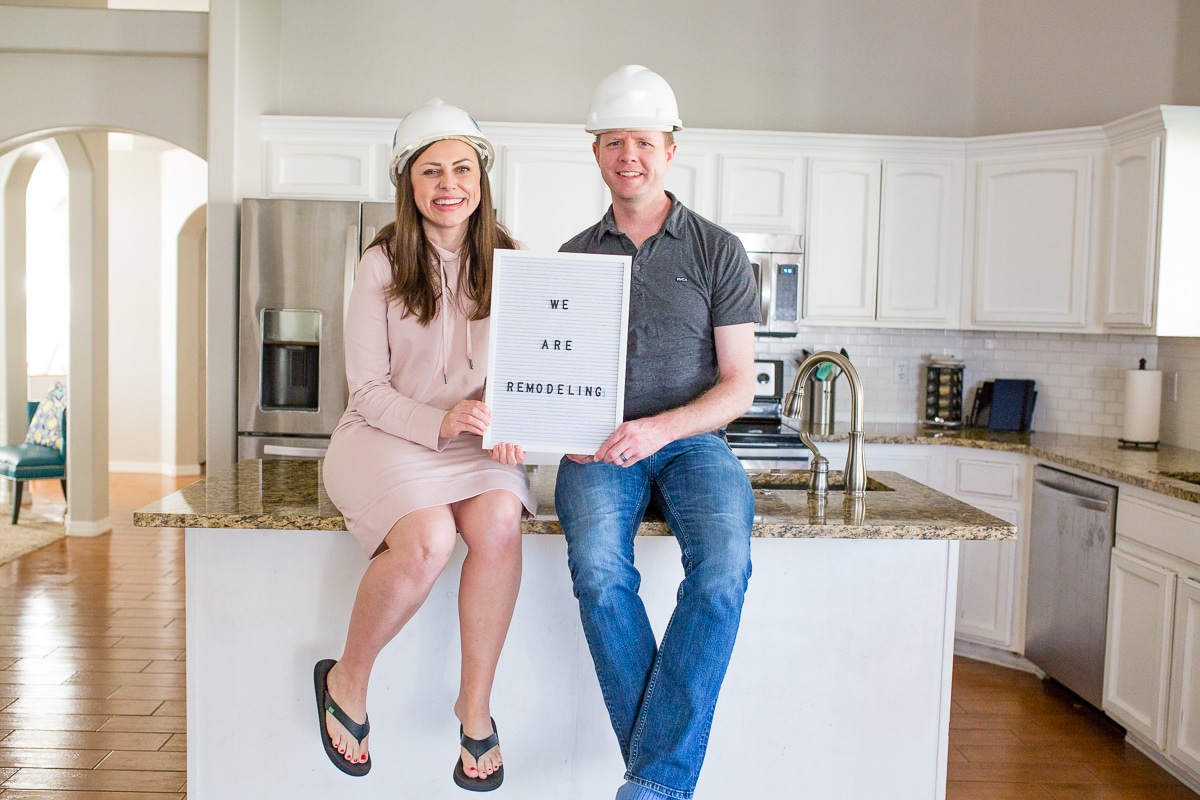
405, 465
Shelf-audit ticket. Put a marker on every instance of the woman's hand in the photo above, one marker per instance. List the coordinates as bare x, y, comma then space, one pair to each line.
467, 416
510, 454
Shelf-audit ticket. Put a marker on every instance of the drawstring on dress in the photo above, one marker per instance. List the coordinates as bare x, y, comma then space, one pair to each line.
446, 326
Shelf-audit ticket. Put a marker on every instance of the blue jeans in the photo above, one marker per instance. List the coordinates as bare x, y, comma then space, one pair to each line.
660, 698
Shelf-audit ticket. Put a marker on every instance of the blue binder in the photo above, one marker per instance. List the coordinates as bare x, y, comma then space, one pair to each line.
1012, 404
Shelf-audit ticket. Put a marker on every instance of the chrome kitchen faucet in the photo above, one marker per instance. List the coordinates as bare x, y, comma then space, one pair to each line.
793, 405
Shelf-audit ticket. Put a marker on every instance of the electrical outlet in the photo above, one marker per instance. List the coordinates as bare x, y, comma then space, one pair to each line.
901, 370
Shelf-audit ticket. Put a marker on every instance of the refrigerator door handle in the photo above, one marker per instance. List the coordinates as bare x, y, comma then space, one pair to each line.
1078, 499
351, 267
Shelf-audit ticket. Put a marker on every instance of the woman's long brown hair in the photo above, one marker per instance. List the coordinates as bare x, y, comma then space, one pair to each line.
415, 281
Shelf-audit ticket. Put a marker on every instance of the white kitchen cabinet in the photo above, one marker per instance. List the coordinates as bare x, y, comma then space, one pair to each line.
920, 242
842, 259
1152, 655
1184, 725
550, 194
991, 606
1137, 650
1152, 239
884, 236
692, 178
1030, 230
1131, 256
760, 193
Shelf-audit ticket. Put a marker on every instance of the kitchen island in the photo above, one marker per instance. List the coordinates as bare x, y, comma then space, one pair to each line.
839, 685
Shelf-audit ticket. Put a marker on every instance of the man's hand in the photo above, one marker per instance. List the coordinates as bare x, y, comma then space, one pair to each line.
635, 440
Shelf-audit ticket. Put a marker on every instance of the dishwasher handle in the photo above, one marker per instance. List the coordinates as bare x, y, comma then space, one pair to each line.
1082, 501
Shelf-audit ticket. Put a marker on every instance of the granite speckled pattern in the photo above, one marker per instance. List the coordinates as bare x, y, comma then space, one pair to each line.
1092, 454
289, 495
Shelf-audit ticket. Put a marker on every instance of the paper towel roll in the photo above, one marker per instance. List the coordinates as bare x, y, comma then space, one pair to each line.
1143, 405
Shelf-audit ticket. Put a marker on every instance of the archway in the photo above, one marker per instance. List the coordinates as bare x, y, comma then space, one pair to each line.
87, 157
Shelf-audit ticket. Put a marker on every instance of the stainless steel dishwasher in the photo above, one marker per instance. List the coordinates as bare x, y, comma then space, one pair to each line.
1071, 531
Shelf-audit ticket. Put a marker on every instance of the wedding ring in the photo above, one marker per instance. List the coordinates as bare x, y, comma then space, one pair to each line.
624, 458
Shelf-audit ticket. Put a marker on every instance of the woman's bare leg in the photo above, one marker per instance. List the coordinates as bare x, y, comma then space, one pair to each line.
394, 586
491, 576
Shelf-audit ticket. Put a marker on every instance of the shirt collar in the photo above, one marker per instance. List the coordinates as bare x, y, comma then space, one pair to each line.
672, 226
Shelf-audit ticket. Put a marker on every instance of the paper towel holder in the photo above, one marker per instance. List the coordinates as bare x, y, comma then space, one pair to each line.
1127, 444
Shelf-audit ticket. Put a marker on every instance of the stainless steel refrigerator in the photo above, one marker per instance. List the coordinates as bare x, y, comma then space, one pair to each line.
297, 265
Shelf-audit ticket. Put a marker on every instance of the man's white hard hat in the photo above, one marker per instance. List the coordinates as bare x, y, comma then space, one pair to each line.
633, 99
431, 122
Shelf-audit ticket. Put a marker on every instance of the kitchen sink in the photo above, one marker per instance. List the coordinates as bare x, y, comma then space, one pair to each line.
798, 480
1188, 477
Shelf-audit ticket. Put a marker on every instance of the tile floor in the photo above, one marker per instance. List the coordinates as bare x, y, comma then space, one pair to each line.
92, 685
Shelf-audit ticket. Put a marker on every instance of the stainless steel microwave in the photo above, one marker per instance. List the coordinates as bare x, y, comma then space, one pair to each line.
778, 262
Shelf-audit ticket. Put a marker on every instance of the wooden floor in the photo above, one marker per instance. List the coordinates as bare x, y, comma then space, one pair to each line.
92, 685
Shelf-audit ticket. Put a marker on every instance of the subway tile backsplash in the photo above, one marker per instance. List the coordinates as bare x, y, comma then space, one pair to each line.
1080, 378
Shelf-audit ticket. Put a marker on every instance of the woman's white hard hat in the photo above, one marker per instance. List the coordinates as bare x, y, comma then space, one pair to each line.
633, 99
432, 122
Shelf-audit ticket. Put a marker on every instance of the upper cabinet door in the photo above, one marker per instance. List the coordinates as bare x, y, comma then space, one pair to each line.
920, 241
1131, 257
550, 194
760, 194
843, 239
692, 178
1031, 248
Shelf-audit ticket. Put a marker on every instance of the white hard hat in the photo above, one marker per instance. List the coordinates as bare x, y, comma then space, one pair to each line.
431, 122
633, 99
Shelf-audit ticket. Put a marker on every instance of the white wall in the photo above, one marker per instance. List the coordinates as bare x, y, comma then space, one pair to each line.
1070, 63
935, 67
1181, 417
77, 72
153, 189
134, 286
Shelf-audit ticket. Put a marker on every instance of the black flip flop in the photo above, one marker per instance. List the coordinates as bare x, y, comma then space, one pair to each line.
325, 704
477, 747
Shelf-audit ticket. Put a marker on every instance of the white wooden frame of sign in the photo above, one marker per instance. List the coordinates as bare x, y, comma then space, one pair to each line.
556, 350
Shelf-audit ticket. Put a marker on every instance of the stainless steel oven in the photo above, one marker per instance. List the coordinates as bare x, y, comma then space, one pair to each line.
759, 438
778, 263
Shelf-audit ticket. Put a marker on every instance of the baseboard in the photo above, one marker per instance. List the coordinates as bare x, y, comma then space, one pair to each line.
87, 528
1151, 752
154, 468
995, 655
137, 467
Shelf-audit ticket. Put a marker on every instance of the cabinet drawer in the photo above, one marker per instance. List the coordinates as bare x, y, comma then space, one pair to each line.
1164, 529
988, 479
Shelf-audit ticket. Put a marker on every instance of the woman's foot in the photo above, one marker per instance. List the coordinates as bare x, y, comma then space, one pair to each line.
484, 767
490, 761
354, 704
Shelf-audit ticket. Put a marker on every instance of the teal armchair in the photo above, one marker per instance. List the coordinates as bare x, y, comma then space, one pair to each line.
29, 461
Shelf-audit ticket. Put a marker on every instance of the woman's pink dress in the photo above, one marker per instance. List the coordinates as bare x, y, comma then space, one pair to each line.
386, 458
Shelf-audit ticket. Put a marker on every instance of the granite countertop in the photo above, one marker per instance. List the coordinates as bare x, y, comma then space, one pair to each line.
1096, 455
290, 495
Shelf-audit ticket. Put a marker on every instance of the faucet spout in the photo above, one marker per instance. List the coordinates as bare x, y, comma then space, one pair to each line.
793, 408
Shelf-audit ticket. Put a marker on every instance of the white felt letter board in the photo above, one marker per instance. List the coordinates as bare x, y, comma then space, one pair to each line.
556, 351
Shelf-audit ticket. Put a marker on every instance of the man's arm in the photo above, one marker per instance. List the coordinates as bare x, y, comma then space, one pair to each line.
727, 400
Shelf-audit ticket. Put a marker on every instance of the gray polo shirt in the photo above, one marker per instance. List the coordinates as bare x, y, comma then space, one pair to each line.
690, 277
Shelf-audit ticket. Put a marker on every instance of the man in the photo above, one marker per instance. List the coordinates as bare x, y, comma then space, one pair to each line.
690, 366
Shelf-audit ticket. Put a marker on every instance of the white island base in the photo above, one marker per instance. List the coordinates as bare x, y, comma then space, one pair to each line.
839, 687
